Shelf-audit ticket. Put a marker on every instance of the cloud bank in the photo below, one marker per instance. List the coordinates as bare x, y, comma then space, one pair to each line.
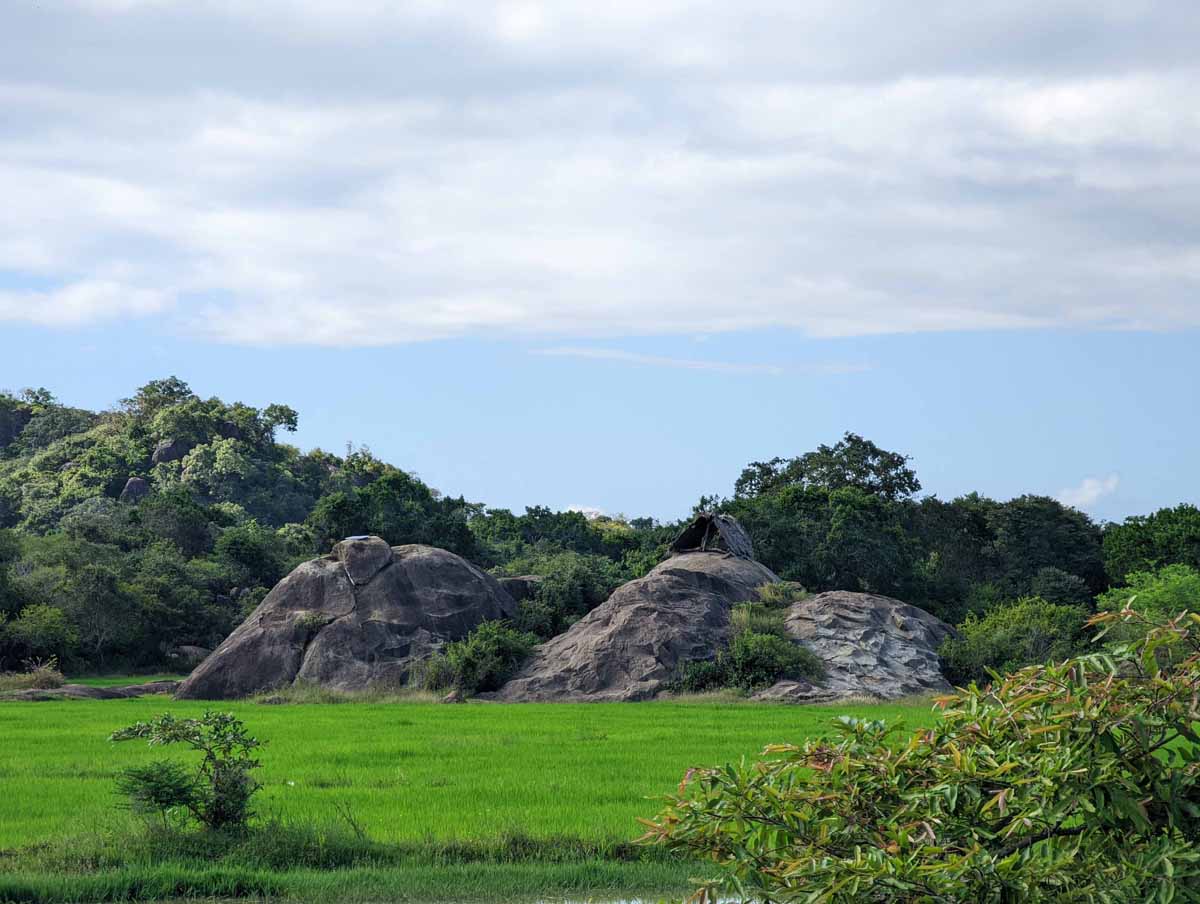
310, 172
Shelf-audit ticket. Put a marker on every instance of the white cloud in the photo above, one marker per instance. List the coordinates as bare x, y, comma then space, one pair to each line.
422, 170
80, 303
588, 511
1090, 491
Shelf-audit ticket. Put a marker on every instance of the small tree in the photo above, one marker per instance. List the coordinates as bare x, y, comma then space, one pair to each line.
1071, 782
217, 794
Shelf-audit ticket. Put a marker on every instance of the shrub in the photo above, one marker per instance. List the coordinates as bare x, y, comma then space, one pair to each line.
782, 593
39, 674
1078, 781
482, 661
1011, 636
759, 660
217, 793
759, 654
572, 585
1158, 594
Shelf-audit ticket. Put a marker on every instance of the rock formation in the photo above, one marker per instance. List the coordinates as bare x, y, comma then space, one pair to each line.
872, 646
630, 646
360, 616
633, 645
87, 692
135, 488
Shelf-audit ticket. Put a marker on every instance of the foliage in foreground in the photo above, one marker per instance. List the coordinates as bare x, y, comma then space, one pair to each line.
217, 793
1070, 782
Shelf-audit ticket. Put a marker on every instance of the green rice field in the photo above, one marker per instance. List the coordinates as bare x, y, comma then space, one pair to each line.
414, 775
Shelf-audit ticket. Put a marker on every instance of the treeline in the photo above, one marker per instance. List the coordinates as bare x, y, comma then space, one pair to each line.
127, 534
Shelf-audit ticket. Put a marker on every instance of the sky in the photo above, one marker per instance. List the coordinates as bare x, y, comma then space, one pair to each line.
604, 255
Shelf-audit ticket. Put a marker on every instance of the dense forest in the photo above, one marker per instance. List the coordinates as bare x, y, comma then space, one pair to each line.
127, 534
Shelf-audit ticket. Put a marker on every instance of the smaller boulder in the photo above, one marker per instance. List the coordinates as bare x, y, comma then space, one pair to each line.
873, 647
136, 488
230, 430
170, 450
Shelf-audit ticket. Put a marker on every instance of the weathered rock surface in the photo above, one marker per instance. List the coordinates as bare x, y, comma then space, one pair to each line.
87, 692
872, 646
629, 647
170, 450
135, 488
360, 616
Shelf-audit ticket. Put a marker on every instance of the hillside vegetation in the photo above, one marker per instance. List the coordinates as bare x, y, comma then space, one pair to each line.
128, 533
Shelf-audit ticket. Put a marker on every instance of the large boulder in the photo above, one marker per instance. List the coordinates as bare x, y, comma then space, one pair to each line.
360, 616
631, 646
873, 647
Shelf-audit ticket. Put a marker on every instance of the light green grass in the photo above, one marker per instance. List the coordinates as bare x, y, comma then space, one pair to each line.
408, 771
415, 775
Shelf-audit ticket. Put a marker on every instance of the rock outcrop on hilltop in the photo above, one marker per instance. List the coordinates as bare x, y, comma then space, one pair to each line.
872, 646
360, 616
630, 646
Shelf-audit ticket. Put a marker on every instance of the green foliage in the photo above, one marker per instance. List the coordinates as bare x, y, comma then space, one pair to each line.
1056, 586
1158, 594
397, 507
217, 793
825, 539
1170, 536
1071, 782
851, 462
782, 594
572, 585
482, 661
1011, 636
41, 632
759, 654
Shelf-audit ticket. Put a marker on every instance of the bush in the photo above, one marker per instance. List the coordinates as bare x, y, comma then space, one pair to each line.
1157, 594
572, 585
1012, 636
482, 661
782, 594
759, 654
38, 675
1071, 782
217, 793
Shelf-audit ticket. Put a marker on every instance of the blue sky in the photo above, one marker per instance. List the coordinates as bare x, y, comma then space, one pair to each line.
605, 254
1003, 413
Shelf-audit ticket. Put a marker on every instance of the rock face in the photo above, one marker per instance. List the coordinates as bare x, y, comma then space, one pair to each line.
87, 692
360, 616
629, 647
135, 488
170, 450
872, 646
